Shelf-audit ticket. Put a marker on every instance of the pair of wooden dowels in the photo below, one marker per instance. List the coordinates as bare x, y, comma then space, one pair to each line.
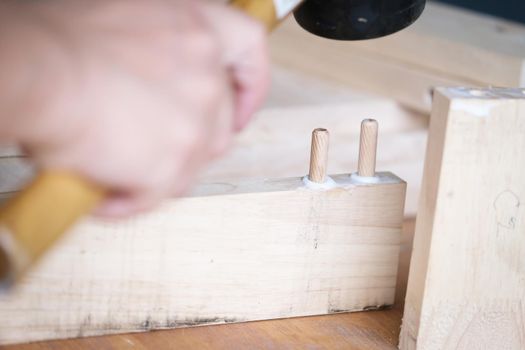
367, 152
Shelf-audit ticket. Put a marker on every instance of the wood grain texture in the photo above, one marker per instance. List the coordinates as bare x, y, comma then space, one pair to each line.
350, 331
244, 251
319, 155
467, 278
445, 47
366, 165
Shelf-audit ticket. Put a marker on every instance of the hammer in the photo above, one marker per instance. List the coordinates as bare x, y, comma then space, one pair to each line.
34, 219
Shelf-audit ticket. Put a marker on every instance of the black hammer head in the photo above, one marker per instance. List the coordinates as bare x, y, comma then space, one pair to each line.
357, 19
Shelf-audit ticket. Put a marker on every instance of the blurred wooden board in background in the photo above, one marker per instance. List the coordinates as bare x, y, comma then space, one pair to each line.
277, 143
446, 46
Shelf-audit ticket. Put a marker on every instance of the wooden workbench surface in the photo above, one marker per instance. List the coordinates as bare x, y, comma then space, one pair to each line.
361, 330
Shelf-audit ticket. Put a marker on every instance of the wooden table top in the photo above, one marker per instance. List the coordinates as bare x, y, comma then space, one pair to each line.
360, 330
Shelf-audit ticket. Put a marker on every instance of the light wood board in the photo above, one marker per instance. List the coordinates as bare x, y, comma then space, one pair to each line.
369, 330
234, 252
466, 286
455, 42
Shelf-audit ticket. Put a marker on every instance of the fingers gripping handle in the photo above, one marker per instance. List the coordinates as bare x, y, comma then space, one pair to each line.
32, 221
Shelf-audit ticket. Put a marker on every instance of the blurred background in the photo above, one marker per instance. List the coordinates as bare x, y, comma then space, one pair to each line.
510, 9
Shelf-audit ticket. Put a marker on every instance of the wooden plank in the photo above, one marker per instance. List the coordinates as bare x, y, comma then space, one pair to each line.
234, 252
466, 286
445, 47
336, 61
358, 330
458, 43
292, 88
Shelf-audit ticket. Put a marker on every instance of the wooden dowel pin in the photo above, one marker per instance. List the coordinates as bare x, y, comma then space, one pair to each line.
367, 148
319, 155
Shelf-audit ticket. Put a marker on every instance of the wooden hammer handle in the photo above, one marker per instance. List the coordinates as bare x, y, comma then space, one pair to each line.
32, 221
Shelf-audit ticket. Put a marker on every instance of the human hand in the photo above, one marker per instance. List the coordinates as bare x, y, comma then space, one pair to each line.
135, 95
